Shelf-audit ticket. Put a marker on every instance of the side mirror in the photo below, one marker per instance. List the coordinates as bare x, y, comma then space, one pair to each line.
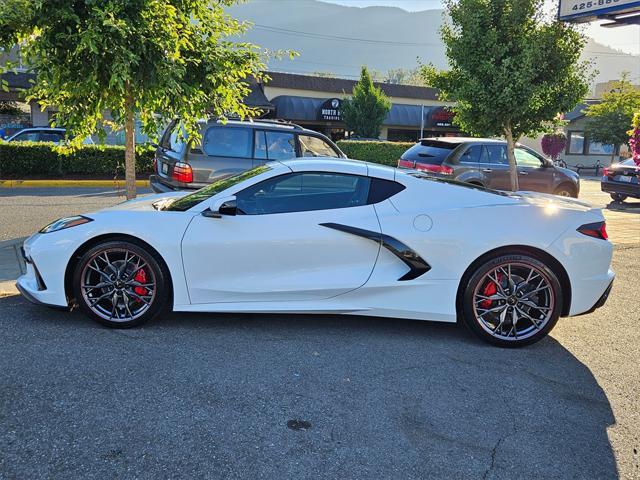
547, 163
224, 206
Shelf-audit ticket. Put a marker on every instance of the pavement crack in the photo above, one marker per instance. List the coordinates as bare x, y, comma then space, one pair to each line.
494, 451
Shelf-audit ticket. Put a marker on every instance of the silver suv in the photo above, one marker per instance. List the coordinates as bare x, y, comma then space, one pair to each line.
229, 149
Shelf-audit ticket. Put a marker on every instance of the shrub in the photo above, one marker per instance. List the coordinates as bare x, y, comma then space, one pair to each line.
385, 153
24, 159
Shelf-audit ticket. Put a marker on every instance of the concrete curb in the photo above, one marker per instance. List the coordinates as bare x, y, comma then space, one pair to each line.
119, 184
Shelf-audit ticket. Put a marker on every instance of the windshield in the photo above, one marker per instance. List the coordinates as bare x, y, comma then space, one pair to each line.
185, 203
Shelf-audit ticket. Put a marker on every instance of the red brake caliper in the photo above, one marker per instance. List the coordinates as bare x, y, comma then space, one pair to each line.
490, 289
141, 277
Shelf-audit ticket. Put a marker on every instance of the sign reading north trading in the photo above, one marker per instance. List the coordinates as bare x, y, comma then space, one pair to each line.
579, 9
330, 110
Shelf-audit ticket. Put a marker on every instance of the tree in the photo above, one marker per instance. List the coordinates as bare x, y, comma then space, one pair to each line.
634, 139
154, 60
608, 122
511, 69
365, 111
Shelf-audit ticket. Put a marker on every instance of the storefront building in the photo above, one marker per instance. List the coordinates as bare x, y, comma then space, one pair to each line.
315, 103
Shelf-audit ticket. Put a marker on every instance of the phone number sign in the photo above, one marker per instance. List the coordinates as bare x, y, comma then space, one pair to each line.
578, 9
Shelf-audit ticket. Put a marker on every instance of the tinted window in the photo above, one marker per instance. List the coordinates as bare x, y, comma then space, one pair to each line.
429, 151
281, 146
472, 155
381, 189
497, 154
228, 142
185, 203
526, 159
315, 147
260, 145
299, 192
51, 137
27, 137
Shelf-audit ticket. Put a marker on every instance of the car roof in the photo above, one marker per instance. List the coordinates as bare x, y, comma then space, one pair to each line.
42, 129
340, 165
461, 140
261, 123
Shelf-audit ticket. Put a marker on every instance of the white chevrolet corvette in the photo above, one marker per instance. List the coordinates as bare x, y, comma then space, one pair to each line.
331, 236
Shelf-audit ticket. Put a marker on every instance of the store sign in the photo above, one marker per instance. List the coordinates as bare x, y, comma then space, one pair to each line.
440, 117
331, 110
580, 10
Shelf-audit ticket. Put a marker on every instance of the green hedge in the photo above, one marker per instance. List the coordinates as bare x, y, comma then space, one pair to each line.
386, 153
23, 159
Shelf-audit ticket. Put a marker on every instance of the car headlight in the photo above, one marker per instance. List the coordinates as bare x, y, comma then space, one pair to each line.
66, 222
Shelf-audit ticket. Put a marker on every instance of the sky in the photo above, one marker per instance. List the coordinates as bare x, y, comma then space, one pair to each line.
625, 38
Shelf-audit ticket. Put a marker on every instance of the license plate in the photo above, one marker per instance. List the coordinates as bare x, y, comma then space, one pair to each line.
165, 168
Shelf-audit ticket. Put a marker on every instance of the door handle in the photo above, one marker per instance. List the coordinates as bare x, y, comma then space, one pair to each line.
523, 173
487, 170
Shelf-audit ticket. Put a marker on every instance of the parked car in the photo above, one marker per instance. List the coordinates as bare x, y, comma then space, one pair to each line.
622, 180
232, 148
483, 162
42, 134
331, 236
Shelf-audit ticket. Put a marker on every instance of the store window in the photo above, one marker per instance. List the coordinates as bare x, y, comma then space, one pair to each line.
597, 148
576, 143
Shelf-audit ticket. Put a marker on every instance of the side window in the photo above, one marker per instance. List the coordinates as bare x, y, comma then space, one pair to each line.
27, 137
281, 146
526, 159
260, 145
497, 154
228, 142
315, 147
300, 192
51, 137
472, 155
381, 189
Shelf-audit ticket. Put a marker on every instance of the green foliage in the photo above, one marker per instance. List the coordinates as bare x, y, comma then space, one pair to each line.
511, 69
29, 159
608, 122
365, 111
155, 59
385, 153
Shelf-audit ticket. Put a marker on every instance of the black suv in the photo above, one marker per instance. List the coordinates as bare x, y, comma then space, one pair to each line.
483, 162
231, 148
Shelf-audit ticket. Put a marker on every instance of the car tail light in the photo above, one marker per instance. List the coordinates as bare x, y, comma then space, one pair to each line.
606, 171
595, 230
406, 164
155, 165
428, 167
182, 173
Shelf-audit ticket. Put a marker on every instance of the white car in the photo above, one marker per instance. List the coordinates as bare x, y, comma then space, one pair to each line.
331, 236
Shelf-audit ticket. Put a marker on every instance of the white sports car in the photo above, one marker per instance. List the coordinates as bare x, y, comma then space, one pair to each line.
331, 236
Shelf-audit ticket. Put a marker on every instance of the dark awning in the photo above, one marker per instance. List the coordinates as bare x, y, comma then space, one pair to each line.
406, 115
297, 108
257, 98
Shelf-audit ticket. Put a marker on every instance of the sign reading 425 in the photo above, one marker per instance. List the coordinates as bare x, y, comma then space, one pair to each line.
585, 10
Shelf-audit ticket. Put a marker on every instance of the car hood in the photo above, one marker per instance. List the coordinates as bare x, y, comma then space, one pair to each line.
147, 202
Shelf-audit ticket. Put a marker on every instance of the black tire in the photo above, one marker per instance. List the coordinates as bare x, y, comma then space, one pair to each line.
148, 308
618, 197
566, 191
475, 280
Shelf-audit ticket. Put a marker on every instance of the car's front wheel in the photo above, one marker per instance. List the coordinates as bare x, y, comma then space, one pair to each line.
512, 300
566, 191
120, 284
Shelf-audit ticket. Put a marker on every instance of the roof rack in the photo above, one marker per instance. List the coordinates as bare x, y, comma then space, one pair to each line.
276, 121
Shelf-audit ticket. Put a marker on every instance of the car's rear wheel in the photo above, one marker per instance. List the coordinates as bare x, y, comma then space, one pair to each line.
512, 300
565, 191
120, 284
618, 197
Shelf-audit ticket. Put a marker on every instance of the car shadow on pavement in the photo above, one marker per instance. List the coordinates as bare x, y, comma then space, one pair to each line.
629, 207
293, 396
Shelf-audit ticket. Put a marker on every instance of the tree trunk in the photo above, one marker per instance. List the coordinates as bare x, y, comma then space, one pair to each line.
513, 168
130, 148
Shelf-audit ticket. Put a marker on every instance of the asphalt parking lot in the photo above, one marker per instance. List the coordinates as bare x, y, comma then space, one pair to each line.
285, 396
